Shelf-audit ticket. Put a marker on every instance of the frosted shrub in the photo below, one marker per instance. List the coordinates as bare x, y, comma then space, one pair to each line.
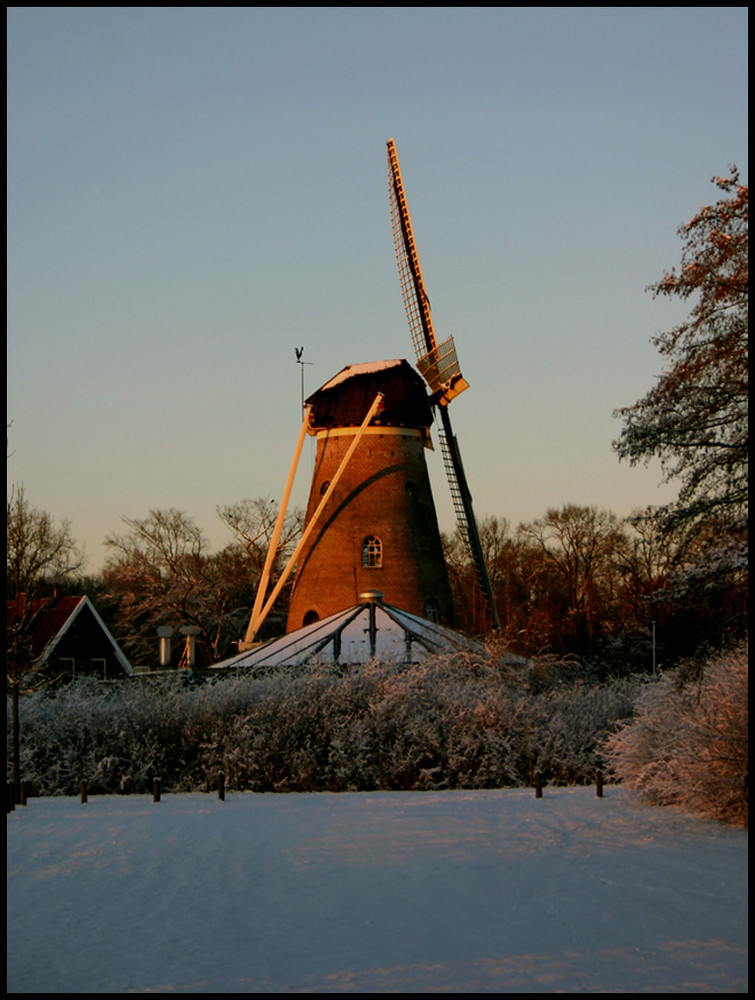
453, 722
688, 743
563, 745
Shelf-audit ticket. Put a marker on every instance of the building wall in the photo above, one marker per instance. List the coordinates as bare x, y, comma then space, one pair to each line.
384, 493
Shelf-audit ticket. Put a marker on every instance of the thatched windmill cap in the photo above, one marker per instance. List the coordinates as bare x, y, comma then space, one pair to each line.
345, 398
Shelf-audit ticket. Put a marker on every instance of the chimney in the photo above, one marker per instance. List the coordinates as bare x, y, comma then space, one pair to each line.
190, 654
165, 632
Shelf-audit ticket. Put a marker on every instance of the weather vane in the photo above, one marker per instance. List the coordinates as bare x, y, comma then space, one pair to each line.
299, 351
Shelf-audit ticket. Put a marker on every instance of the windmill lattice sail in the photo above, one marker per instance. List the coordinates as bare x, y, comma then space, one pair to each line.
439, 366
437, 363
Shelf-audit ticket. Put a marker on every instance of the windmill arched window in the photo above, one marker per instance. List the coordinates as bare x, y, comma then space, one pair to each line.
432, 611
372, 552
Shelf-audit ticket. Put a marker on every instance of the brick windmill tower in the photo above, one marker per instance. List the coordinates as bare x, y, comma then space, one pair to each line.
378, 530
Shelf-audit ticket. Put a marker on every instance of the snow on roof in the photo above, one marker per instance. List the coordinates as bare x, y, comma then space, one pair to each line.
365, 368
347, 637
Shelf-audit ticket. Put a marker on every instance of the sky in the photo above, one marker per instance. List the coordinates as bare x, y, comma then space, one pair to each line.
380, 892
193, 193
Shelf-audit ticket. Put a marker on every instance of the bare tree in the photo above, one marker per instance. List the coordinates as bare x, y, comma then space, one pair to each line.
253, 525
499, 551
253, 522
40, 550
582, 546
161, 572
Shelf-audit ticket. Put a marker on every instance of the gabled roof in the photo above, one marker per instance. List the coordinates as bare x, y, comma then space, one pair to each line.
51, 620
369, 630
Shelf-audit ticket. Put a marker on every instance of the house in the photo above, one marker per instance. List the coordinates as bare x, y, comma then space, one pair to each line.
68, 639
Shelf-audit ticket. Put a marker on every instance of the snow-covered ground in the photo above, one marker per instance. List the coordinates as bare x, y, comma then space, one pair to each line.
419, 892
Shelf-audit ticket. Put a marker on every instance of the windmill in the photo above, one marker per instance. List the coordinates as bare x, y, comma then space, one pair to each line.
439, 366
370, 526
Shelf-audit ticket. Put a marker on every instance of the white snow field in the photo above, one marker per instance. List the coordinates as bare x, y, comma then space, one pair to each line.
414, 892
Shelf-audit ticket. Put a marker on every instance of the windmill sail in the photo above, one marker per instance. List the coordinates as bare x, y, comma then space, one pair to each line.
439, 366
437, 363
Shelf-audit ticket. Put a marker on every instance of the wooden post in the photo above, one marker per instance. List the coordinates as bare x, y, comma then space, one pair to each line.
11, 797
538, 785
221, 786
22, 797
83, 788
254, 622
599, 784
156, 790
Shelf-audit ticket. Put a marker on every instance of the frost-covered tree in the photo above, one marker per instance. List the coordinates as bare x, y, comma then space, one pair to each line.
695, 417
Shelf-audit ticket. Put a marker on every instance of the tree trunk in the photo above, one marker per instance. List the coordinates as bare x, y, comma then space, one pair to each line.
16, 742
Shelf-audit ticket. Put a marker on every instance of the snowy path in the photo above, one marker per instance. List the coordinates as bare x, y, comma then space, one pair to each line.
454, 892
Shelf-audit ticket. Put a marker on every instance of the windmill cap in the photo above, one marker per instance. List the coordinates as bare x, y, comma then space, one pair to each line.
345, 398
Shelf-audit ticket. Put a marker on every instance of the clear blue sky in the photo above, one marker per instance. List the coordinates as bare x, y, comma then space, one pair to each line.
194, 192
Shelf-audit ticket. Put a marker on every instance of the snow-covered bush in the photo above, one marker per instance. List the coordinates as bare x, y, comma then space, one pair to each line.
687, 744
448, 723
565, 745
108, 735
